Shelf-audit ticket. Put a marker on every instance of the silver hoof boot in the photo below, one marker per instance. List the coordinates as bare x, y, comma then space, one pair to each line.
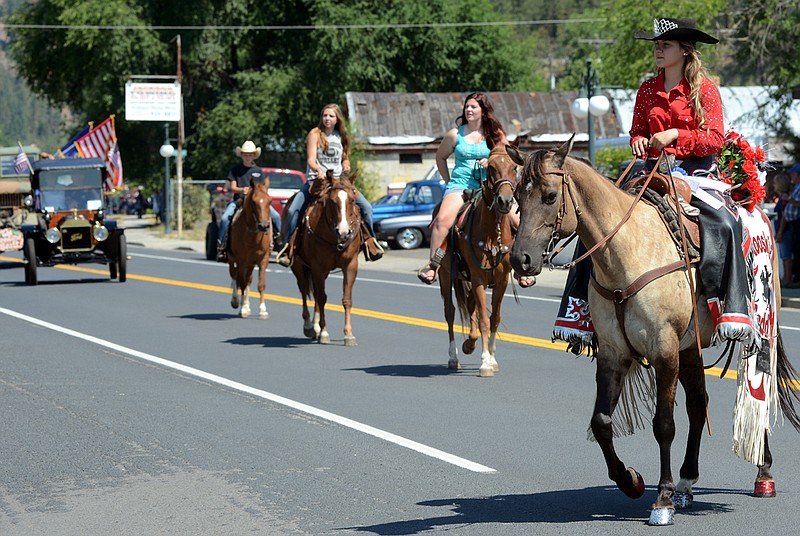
682, 500
660, 517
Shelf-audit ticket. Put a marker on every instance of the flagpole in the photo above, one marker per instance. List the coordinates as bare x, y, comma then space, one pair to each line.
27, 160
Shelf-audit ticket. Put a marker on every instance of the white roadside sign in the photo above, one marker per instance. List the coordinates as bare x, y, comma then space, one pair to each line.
152, 102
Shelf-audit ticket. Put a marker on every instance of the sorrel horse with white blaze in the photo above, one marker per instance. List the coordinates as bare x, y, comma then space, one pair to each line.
558, 195
330, 237
250, 243
477, 259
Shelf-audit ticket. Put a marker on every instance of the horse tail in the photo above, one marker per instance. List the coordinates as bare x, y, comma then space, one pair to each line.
788, 385
462, 289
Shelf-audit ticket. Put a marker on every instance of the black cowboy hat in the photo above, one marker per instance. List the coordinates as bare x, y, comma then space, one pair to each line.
676, 30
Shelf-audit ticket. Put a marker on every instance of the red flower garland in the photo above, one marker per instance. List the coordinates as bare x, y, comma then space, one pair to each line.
739, 164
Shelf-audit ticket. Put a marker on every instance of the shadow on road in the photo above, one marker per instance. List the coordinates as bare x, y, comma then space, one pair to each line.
603, 503
416, 371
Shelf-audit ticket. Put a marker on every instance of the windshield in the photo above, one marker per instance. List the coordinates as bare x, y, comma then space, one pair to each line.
415, 193
288, 181
69, 189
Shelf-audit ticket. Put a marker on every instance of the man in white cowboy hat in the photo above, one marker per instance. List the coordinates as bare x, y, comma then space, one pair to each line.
239, 183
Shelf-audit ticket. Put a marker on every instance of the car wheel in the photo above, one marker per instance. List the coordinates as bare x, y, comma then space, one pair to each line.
31, 277
122, 262
212, 233
409, 238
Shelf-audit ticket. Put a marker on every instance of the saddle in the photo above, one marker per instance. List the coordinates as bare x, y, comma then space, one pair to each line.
659, 194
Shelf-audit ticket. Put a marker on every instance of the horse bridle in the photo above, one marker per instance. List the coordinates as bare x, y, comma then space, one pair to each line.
498, 218
354, 224
550, 251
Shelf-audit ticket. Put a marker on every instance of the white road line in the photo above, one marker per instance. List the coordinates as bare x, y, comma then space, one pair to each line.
299, 406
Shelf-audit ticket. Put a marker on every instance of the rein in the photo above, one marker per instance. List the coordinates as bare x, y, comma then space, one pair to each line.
498, 219
549, 253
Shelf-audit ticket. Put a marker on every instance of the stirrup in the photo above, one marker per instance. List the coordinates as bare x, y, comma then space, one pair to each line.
369, 255
283, 256
222, 253
433, 264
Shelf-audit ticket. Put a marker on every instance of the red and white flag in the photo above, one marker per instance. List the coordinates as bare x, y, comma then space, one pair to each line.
101, 142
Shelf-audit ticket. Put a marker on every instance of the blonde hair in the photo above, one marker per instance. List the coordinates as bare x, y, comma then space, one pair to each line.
322, 138
695, 74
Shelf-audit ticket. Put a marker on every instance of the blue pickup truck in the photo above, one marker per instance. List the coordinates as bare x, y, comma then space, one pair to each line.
418, 197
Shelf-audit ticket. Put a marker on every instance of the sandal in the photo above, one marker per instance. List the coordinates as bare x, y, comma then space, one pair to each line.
525, 281
431, 266
422, 274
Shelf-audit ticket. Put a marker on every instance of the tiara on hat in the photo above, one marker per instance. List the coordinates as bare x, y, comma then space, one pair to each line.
661, 26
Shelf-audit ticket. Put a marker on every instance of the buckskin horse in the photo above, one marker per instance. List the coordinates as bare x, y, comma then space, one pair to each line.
477, 259
250, 245
329, 237
558, 195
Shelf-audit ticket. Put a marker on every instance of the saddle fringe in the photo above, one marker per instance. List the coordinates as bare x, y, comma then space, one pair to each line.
637, 397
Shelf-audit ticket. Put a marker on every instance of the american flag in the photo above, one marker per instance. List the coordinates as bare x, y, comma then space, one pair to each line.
69, 150
21, 164
101, 142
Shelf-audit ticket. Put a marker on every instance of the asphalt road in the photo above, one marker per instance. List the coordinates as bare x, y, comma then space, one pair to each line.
149, 407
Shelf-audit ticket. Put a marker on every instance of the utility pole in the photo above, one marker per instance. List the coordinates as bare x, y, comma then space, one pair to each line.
179, 156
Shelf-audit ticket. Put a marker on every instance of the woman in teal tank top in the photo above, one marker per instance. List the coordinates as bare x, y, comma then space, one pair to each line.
477, 131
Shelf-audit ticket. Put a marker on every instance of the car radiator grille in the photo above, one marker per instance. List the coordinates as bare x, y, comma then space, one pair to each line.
76, 238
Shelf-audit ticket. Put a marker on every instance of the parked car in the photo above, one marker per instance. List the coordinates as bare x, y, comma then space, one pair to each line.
405, 232
418, 197
283, 184
71, 225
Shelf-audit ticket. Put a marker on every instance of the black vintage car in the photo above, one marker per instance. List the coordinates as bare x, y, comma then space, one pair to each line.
71, 225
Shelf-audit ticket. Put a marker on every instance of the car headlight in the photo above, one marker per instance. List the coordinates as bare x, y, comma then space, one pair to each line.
100, 233
28, 201
53, 235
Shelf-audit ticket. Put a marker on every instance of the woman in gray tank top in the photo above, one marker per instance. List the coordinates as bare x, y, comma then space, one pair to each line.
327, 148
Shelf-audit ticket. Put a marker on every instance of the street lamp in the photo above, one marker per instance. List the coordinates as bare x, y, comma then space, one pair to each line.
591, 105
167, 150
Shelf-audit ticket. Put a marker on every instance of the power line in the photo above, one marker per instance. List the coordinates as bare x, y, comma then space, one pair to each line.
299, 28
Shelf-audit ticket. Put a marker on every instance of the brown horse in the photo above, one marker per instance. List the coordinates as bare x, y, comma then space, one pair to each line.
477, 259
250, 243
557, 195
329, 238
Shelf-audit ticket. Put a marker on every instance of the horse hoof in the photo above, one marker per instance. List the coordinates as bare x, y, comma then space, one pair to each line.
234, 303
468, 346
486, 371
324, 338
660, 517
310, 333
765, 489
245, 313
263, 316
454, 364
637, 484
682, 500
350, 341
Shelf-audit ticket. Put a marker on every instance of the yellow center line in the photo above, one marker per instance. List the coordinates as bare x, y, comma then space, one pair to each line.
389, 317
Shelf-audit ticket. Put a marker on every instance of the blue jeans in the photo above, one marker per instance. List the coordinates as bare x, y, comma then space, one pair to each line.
301, 200
225, 220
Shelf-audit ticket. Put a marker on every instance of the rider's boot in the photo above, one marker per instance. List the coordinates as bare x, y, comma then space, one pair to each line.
373, 251
222, 252
285, 253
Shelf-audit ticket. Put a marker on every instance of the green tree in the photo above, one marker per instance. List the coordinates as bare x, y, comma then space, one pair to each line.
263, 84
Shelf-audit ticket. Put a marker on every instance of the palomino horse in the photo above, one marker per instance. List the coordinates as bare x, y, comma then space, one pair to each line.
329, 238
478, 254
250, 238
558, 195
